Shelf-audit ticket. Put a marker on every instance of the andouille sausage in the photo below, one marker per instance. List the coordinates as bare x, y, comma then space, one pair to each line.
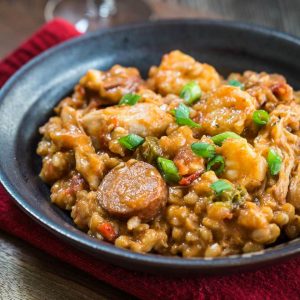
133, 189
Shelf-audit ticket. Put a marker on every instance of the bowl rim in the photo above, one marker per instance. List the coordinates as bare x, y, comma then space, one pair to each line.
87, 243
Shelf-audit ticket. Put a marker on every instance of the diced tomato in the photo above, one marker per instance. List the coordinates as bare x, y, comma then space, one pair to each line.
107, 231
187, 180
115, 121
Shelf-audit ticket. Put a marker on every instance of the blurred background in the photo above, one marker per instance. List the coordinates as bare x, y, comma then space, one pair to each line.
20, 18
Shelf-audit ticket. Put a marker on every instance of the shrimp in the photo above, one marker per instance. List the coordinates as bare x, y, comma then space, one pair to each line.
227, 109
243, 165
177, 69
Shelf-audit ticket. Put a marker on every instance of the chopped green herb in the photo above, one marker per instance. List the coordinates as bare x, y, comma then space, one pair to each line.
131, 141
129, 99
220, 186
274, 162
191, 92
203, 149
220, 138
172, 112
168, 170
260, 117
216, 164
182, 115
236, 83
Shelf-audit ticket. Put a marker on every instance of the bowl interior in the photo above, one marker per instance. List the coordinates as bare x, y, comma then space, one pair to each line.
28, 99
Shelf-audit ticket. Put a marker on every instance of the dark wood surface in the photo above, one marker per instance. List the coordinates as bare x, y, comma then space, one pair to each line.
28, 273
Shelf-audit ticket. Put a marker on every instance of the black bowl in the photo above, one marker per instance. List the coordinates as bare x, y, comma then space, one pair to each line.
27, 100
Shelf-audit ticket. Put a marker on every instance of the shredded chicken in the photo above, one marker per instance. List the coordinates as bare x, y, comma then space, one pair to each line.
279, 134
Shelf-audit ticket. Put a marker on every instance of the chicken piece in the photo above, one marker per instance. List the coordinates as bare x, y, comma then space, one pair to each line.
66, 135
280, 134
268, 89
54, 124
243, 165
112, 84
143, 119
135, 188
294, 189
76, 101
90, 165
177, 69
227, 109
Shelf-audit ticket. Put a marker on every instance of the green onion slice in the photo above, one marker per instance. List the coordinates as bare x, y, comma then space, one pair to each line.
172, 112
220, 138
274, 162
220, 186
204, 150
191, 92
129, 99
168, 170
182, 115
131, 141
216, 164
236, 83
260, 117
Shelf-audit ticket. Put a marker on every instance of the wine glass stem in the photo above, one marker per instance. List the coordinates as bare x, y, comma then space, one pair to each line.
101, 8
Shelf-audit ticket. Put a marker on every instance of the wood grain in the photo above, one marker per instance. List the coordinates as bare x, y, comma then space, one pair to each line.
27, 273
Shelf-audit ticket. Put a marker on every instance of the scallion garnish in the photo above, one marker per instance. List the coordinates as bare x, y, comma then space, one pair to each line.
204, 150
216, 164
236, 83
129, 99
172, 112
260, 117
168, 170
182, 115
220, 138
131, 141
274, 162
220, 186
191, 92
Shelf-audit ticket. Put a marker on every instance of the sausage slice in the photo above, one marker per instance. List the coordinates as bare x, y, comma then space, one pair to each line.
133, 189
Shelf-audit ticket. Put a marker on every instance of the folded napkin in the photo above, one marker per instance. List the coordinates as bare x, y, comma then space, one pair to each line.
280, 281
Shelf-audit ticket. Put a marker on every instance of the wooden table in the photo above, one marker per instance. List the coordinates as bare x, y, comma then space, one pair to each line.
28, 273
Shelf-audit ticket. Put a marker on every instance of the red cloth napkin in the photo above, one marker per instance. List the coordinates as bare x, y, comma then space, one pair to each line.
281, 281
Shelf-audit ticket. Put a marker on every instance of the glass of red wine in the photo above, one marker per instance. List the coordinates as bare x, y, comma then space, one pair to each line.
89, 15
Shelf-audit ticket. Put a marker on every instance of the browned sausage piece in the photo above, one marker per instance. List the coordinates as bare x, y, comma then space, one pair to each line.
133, 189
